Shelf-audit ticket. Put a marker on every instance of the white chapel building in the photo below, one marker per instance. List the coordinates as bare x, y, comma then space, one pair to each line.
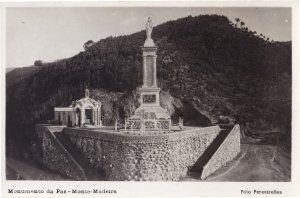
83, 112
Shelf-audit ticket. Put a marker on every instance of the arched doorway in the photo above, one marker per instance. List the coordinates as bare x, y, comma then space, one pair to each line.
78, 117
88, 115
69, 121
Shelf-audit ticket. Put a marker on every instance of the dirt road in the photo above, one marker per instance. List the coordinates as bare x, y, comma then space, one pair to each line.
254, 163
16, 169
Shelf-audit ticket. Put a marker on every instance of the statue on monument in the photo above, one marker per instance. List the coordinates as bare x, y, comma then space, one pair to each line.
149, 26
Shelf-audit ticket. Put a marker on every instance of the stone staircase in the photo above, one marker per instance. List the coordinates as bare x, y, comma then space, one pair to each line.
212, 148
91, 173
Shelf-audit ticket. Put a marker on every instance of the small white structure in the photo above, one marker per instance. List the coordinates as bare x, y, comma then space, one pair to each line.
83, 112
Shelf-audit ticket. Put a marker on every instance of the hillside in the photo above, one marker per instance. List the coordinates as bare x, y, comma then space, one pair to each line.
18, 74
207, 68
9, 69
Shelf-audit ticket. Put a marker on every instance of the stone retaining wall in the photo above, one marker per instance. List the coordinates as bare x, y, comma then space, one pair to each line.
138, 157
227, 151
55, 156
163, 157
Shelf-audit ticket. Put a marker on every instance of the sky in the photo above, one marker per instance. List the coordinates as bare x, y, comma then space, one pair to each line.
51, 34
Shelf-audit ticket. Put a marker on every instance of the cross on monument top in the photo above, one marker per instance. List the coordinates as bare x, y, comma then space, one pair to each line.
87, 92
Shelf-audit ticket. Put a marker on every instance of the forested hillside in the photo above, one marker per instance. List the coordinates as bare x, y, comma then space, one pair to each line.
207, 67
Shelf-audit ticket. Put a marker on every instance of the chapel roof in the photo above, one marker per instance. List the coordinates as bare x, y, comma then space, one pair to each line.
86, 100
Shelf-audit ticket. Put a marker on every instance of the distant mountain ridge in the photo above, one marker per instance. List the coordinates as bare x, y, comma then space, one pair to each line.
16, 74
206, 65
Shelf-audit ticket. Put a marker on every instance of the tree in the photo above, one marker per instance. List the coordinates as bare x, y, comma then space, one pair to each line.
237, 22
88, 44
242, 23
38, 63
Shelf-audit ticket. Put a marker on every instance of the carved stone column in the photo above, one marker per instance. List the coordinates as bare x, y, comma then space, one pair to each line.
74, 119
154, 71
96, 116
82, 116
93, 121
99, 114
144, 71
62, 117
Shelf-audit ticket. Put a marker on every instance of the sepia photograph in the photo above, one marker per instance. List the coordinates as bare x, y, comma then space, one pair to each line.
199, 94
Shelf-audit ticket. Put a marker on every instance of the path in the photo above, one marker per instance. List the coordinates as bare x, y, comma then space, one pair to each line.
254, 163
29, 171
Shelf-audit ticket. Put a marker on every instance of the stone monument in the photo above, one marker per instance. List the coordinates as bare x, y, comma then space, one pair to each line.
150, 115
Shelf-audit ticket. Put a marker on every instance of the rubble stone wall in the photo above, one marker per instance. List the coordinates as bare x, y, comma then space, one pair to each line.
55, 156
227, 151
163, 157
